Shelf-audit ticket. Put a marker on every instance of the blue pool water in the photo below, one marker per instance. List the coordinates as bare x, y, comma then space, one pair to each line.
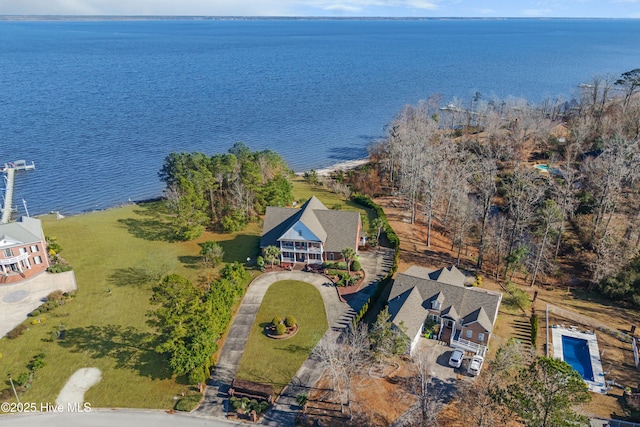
576, 353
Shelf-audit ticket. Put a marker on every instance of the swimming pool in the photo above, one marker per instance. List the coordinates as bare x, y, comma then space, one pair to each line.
579, 348
575, 352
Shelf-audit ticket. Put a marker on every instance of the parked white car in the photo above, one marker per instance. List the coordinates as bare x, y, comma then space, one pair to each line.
475, 365
456, 358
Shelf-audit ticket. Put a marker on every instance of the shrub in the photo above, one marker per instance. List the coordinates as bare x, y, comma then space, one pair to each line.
281, 329
56, 296
289, 321
335, 265
37, 362
534, 330
23, 379
259, 407
276, 321
478, 281
59, 268
198, 375
240, 404
260, 262
355, 266
188, 403
16, 332
35, 313
516, 297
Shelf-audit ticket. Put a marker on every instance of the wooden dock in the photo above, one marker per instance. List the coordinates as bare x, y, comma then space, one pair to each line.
9, 170
8, 196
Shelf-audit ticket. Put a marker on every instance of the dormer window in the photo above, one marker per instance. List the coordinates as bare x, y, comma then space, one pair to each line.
435, 305
300, 233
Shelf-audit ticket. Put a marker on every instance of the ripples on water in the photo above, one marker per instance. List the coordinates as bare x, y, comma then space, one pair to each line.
98, 105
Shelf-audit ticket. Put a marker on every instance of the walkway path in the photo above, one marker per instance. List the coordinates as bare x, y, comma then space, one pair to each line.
339, 315
8, 196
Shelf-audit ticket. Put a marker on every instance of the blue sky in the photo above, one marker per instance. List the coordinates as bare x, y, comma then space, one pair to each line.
345, 8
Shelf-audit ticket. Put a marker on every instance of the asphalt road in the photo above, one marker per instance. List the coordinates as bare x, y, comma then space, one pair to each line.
109, 418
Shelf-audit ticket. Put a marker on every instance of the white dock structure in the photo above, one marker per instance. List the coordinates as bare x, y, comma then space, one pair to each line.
9, 170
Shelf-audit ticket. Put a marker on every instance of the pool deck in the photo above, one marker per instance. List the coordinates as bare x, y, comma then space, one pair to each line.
598, 385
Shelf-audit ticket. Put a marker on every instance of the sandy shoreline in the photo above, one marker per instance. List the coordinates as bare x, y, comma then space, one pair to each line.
351, 164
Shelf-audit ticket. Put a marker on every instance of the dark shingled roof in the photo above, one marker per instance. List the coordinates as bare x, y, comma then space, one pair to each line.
335, 229
468, 303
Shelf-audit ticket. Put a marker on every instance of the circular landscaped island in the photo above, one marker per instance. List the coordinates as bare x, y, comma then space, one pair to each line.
282, 327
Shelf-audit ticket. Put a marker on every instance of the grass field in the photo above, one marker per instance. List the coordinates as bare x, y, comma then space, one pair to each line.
303, 191
273, 361
115, 254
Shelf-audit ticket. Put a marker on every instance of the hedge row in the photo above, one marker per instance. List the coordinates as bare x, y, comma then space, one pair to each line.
394, 241
534, 330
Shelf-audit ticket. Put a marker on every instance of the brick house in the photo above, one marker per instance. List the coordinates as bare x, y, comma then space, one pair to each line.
466, 314
23, 250
310, 234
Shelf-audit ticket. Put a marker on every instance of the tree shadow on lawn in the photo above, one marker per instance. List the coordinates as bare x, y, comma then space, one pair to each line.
133, 276
241, 247
190, 261
152, 224
295, 348
149, 229
130, 348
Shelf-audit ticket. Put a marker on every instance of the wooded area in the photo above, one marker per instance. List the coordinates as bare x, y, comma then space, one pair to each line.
225, 191
522, 185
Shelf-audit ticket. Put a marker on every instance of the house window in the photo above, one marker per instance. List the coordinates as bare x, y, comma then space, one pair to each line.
434, 318
330, 256
8, 253
37, 259
469, 333
481, 337
23, 250
34, 248
435, 305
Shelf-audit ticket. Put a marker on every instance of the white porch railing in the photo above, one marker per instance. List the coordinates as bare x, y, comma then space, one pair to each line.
478, 349
15, 259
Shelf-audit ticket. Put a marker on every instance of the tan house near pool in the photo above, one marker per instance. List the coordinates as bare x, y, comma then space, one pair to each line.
310, 234
23, 250
466, 314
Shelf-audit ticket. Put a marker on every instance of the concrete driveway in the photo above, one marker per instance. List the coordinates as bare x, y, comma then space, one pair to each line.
339, 316
231, 352
438, 355
17, 300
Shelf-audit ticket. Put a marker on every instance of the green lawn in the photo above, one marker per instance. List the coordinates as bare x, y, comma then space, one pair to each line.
115, 255
275, 362
303, 191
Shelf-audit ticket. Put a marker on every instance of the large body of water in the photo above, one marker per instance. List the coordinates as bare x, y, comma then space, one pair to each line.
98, 105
